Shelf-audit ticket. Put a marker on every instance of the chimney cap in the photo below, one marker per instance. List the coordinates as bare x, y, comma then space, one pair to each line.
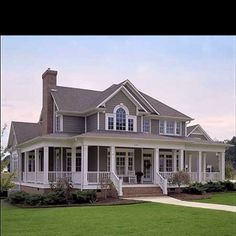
49, 72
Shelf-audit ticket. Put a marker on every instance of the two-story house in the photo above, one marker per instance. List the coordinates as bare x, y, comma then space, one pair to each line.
86, 136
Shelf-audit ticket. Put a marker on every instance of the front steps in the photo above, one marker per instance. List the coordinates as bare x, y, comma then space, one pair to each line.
144, 191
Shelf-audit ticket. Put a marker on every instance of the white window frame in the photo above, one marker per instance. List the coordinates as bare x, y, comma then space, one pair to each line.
61, 123
78, 156
128, 116
175, 127
149, 121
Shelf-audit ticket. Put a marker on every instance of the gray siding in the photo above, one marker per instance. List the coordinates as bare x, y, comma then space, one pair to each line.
103, 159
120, 97
102, 121
154, 126
138, 123
92, 158
137, 159
73, 124
199, 136
183, 128
92, 122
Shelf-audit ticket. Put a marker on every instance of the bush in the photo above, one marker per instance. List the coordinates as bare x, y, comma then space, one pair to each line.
54, 198
85, 196
214, 187
18, 197
196, 188
34, 199
228, 185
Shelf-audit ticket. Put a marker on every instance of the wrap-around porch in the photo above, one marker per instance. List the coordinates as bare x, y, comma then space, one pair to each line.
86, 166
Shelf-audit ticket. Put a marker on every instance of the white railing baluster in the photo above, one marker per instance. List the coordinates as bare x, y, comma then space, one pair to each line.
162, 182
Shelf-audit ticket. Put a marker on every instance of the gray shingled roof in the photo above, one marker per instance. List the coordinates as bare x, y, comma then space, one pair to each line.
163, 109
25, 131
191, 128
82, 100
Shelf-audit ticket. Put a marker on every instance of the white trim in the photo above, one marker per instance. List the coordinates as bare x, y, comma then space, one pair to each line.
132, 97
121, 106
149, 126
204, 133
175, 126
98, 120
141, 123
54, 101
127, 81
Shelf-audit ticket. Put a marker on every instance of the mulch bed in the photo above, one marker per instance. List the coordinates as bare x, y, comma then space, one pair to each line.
99, 202
189, 197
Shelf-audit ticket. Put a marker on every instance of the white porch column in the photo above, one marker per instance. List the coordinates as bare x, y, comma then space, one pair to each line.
204, 165
84, 160
181, 160
156, 164
45, 164
36, 160
199, 166
174, 161
222, 165
26, 166
190, 163
112, 159
73, 161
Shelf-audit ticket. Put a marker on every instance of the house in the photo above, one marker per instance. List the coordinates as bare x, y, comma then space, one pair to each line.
87, 136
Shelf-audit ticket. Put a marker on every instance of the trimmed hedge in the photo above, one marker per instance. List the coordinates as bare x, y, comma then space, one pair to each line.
199, 188
52, 198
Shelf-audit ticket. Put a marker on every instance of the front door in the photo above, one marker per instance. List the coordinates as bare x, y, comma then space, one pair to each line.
147, 167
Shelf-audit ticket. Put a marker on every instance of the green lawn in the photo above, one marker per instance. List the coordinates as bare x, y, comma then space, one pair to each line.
221, 198
138, 219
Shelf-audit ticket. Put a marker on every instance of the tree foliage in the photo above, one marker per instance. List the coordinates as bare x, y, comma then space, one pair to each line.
181, 178
230, 153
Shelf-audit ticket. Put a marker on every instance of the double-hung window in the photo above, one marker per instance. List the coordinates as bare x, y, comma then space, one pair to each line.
162, 127
178, 128
170, 127
110, 123
120, 119
146, 126
78, 160
130, 124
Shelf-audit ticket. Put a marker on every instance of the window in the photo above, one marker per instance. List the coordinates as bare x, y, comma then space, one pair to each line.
78, 160
178, 128
58, 123
68, 160
130, 124
110, 123
170, 127
120, 163
120, 119
31, 163
162, 126
40, 161
161, 164
146, 126
130, 161
168, 163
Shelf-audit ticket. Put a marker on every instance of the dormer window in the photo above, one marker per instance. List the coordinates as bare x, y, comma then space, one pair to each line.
121, 120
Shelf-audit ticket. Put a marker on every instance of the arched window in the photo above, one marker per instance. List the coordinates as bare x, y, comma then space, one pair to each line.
120, 119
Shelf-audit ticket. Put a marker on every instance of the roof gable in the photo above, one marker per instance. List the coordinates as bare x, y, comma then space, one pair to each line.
24, 131
197, 131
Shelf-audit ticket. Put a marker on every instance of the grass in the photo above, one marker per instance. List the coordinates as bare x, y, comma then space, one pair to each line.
139, 219
221, 198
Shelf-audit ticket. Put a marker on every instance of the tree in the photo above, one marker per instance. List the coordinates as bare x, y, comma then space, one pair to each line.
181, 178
230, 153
230, 172
6, 178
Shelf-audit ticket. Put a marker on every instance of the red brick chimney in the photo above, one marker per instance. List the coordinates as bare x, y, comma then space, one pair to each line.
49, 82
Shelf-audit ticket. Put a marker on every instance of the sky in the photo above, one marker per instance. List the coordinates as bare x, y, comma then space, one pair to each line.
193, 74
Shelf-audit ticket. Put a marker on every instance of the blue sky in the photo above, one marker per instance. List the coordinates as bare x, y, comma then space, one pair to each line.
194, 74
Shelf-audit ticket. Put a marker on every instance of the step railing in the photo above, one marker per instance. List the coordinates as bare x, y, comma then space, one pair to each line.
162, 182
118, 182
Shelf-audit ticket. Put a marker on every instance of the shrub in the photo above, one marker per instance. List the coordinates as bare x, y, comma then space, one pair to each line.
54, 198
214, 187
195, 188
34, 199
228, 185
18, 197
180, 178
85, 196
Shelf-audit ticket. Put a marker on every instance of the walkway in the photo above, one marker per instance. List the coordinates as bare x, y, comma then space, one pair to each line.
174, 201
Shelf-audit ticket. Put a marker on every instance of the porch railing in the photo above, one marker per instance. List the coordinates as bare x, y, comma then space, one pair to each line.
118, 182
211, 176
39, 177
95, 177
162, 182
54, 176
